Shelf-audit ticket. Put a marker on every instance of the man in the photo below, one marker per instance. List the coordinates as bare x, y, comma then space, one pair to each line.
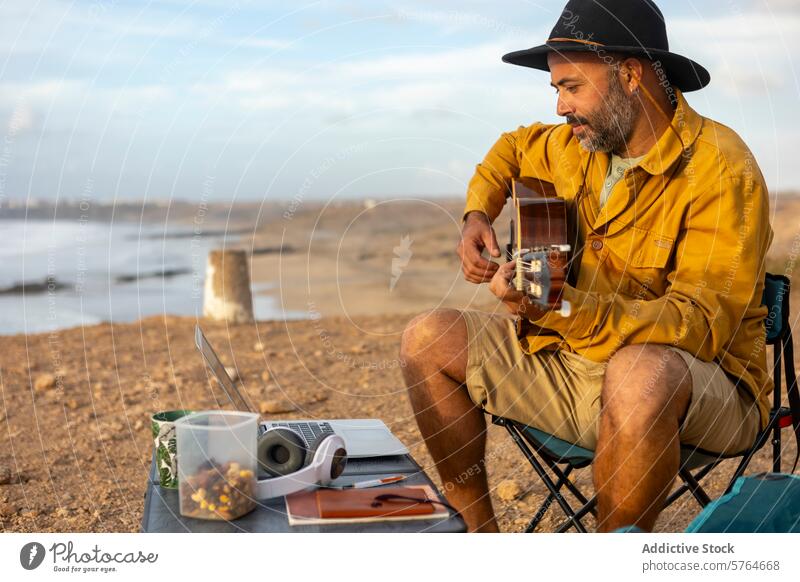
664, 343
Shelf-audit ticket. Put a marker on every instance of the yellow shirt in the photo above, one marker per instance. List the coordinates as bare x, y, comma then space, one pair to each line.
682, 259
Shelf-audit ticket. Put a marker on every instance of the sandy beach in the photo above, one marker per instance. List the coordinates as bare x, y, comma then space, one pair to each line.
75, 404
359, 259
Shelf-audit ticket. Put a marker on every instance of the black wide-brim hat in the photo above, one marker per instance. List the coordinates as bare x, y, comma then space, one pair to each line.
630, 27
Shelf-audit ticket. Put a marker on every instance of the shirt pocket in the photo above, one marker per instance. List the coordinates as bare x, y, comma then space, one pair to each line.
642, 259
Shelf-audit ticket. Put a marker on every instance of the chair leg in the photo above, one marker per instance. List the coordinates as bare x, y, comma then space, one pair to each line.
542, 511
678, 493
772, 428
694, 487
542, 473
776, 449
588, 508
572, 488
539, 515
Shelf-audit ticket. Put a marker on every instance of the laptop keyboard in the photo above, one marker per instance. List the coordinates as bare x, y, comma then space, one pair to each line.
310, 431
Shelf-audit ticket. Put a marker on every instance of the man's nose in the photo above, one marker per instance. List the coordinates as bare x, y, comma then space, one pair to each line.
562, 108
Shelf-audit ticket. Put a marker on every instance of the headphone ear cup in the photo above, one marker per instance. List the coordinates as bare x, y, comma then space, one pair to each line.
338, 462
281, 451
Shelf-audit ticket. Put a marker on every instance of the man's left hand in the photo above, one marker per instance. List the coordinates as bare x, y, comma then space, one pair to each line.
518, 302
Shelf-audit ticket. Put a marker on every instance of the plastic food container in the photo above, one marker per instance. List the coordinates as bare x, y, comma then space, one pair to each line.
217, 464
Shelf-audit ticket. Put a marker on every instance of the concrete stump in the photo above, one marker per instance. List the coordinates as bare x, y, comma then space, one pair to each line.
227, 290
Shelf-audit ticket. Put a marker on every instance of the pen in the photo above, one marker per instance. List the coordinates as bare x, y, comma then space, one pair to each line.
374, 482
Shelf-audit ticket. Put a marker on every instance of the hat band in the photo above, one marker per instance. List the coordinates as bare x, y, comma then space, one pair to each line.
589, 42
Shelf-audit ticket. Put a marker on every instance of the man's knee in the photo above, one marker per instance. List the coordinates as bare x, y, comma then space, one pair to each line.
431, 333
646, 382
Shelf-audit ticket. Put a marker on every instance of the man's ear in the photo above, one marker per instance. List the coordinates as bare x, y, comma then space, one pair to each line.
631, 71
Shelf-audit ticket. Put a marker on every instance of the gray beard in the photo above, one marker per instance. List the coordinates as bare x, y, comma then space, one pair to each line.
612, 124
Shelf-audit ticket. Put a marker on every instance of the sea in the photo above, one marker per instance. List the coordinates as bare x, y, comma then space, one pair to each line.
84, 273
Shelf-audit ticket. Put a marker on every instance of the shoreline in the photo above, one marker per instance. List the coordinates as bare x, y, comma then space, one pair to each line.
348, 259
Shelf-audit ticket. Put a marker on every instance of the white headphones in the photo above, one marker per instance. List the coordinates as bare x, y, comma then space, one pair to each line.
281, 451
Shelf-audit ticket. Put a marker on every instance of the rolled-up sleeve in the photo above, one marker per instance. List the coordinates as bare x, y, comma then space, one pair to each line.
523, 151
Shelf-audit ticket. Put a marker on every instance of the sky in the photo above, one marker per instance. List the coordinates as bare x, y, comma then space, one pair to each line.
233, 100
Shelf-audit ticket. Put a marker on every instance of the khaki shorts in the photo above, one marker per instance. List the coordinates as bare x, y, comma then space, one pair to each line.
559, 391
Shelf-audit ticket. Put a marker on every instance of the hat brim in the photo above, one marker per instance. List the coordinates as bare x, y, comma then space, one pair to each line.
683, 73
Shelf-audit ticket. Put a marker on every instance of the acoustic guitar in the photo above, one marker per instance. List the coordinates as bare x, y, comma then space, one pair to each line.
540, 244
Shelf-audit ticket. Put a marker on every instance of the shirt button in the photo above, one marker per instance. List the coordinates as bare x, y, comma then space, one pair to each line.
597, 244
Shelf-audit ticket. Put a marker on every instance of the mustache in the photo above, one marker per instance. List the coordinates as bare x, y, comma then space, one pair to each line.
575, 120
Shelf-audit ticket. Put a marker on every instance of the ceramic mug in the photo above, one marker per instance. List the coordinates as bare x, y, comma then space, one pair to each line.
163, 426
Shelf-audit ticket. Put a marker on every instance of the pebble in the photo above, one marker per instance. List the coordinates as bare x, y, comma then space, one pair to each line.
6, 475
265, 376
276, 406
44, 382
232, 372
72, 404
508, 490
258, 347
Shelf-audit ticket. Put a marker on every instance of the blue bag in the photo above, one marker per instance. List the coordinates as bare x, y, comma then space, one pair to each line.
763, 503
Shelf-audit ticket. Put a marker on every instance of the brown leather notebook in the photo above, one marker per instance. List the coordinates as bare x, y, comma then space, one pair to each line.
359, 505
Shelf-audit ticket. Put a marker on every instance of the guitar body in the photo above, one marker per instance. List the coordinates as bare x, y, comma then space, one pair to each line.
539, 243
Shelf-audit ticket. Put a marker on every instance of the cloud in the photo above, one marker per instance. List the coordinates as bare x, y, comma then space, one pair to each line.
21, 120
777, 5
41, 94
759, 57
420, 80
258, 43
250, 80
431, 62
457, 21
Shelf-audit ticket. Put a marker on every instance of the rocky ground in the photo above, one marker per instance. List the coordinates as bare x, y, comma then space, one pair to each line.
76, 443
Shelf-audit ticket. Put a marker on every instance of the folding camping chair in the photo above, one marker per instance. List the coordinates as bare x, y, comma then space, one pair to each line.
545, 451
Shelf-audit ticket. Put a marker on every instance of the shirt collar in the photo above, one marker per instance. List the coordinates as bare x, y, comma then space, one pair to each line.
668, 149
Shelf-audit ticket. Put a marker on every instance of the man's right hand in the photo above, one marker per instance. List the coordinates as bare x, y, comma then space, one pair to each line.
477, 235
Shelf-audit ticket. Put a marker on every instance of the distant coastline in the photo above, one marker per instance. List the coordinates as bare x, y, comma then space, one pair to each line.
174, 212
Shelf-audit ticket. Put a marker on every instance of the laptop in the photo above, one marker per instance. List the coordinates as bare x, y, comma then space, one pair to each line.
363, 437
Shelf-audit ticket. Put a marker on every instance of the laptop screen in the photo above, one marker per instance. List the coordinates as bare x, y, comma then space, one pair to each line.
218, 369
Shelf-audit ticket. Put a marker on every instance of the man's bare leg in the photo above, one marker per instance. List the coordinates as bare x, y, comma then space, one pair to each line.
434, 352
646, 392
